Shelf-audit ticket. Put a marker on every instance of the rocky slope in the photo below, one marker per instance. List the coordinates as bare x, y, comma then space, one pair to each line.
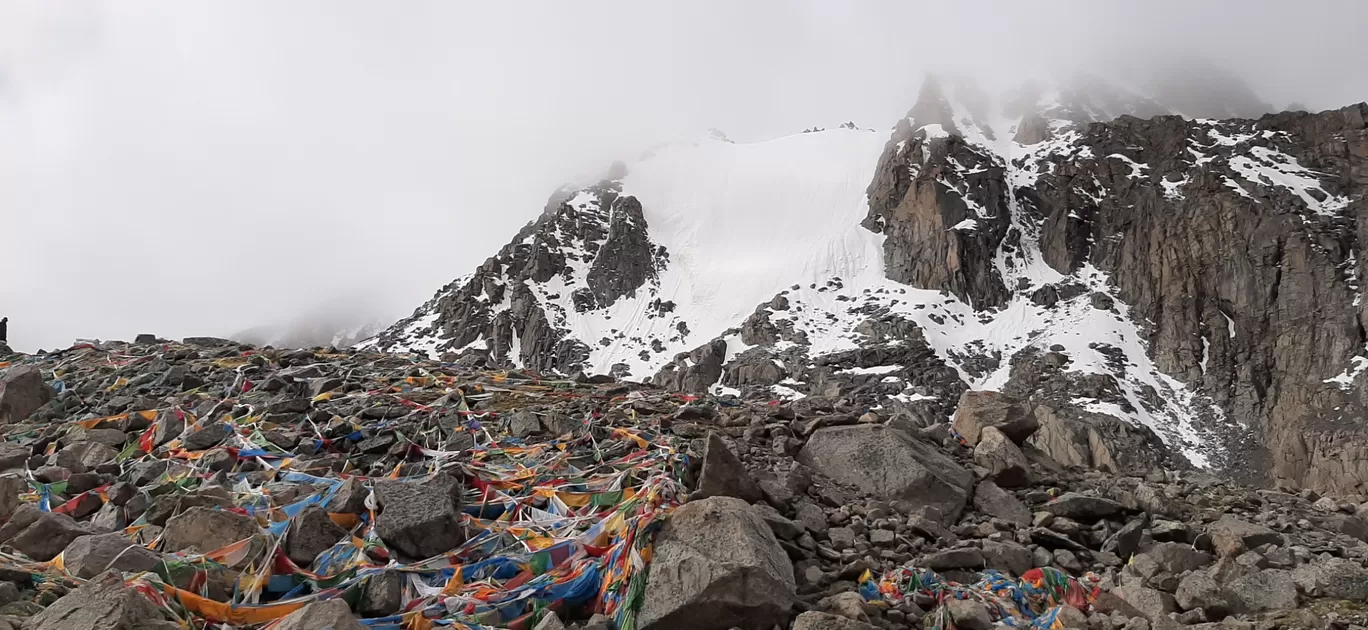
210, 484
1156, 287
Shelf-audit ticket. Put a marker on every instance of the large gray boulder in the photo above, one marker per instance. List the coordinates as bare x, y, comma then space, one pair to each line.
22, 392
717, 565
1336, 578
103, 603
891, 464
977, 410
420, 519
814, 620
309, 534
329, 615
723, 475
991, 499
41, 535
88, 556
206, 529
1264, 591
1003, 459
1231, 536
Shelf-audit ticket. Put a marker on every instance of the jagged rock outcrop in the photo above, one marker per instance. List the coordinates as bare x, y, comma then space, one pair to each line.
943, 205
593, 245
1238, 241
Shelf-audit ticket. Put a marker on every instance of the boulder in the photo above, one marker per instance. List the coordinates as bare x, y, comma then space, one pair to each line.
207, 437
1004, 460
1199, 590
1264, 591
1082, 507
103, 603
206, 529
723, 475
891, 464
813, 620
1336, 578
1153, 604
717, 565
950, 559
977, 410
383, 595
41, 535
1231, 536
332, 614
310, 534
81, 456
524, 424
22, 392
420, 520
11, 486
967, 614
1177, 558
88, 556
1007, 556
992, 500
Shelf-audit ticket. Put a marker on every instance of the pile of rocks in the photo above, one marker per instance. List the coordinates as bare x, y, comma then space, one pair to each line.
124, 464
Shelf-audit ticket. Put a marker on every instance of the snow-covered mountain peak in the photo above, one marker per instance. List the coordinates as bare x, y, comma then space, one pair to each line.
1025, 242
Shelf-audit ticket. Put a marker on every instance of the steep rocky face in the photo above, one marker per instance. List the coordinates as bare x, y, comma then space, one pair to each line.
587, 250
1237, 241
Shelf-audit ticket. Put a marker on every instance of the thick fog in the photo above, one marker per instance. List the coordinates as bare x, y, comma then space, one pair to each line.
209, 167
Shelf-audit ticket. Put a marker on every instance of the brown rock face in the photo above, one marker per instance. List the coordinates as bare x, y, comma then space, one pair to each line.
1251, 286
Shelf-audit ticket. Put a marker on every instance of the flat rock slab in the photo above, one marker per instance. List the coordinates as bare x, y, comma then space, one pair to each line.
891, 464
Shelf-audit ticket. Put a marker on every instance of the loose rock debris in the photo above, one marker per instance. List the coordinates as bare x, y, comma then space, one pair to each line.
208, 484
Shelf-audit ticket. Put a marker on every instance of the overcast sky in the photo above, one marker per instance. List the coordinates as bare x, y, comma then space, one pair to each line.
191, 168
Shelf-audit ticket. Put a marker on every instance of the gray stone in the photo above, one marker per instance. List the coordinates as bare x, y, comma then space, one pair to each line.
1177, 558
992, 500
890, 464
1336, 578
1231, 536
89, 556
524, 424
22, 392
969, 614
1007, 556
1004, 460
812, 517
11, 486
103, 603
716, 565
841, 537
1153, 604
332, 614
383, 595
979, 409
1199, 590
83, 456
207, 437
1268, 590
206, 529
41, 535
783, 528
723, 475
1082, 507
814, 620
962, 558
420, 520
309, 534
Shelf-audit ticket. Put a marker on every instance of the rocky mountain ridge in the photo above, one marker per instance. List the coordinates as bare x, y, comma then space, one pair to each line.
1159, 288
